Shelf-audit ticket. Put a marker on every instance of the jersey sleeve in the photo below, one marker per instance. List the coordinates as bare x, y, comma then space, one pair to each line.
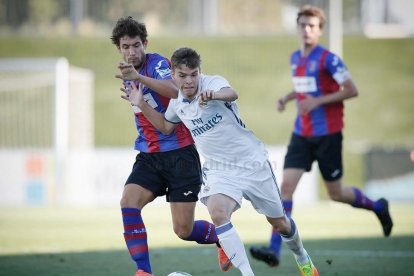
216, 83
161, 69
336, 68
170, 114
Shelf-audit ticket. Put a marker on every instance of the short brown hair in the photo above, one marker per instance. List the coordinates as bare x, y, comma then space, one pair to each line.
309, 10
185, 56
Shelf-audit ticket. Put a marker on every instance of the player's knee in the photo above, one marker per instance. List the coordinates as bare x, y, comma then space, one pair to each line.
128, 201
124, 202
219, 216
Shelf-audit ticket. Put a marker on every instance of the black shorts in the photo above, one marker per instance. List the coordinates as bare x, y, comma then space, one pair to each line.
326, 150
176, 174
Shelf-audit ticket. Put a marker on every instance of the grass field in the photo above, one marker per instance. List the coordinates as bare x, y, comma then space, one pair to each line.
341, 240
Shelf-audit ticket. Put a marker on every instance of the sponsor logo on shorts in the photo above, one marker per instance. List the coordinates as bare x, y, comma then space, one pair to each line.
188, 193
335, 172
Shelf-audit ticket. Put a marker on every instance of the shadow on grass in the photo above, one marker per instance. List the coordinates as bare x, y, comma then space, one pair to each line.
364, 256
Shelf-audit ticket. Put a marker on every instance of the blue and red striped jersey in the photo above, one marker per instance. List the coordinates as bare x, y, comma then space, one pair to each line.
149, 138
320, 73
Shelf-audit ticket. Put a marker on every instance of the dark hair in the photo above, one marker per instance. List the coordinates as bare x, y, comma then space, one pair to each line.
309, 10
185, 56
130, 27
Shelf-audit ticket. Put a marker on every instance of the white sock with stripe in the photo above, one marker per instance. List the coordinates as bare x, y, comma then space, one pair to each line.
294, 243
233, 246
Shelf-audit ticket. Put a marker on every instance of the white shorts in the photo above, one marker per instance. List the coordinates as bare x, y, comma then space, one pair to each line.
258, 186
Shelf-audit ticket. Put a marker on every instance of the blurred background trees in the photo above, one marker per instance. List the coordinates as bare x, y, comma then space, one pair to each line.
194, 17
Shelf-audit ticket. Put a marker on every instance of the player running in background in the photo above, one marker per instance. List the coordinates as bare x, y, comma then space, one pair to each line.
321, 84
236, 162
166, 164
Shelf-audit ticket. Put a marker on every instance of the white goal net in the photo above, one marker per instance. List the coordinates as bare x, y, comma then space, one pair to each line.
46, 109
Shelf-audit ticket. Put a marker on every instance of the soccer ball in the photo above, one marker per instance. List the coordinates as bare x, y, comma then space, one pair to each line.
179, 273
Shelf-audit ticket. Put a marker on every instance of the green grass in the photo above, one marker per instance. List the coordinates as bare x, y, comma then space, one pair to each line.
357, 257
61, 241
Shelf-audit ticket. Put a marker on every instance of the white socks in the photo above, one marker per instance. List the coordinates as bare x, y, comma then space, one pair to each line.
234, 248
294, 243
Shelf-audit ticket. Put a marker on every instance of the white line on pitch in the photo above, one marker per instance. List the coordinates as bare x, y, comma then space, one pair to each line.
364, 253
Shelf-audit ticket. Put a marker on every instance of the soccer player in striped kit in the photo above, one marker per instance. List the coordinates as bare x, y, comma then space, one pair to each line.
321, 84
166, 164
236, 162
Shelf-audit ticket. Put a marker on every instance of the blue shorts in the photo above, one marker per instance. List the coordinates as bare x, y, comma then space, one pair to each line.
176, 174
326, 150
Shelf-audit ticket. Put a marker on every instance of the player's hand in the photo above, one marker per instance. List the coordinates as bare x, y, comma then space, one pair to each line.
206, 96
308, 104
133, 94
281, 104
128, 72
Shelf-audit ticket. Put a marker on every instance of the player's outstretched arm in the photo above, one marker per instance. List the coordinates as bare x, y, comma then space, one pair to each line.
166, 88
281, 102
135, 97
225, 94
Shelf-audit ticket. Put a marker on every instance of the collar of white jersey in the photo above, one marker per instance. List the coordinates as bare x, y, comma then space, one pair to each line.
184, 99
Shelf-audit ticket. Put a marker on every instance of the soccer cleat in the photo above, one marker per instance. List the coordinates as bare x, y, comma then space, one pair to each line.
266, 255
307, 269
384, 217
224, 261
141, 272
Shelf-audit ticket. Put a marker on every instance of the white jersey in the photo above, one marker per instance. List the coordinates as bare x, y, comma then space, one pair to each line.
218, 132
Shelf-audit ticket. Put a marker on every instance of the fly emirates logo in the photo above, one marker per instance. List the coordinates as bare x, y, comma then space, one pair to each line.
201, 126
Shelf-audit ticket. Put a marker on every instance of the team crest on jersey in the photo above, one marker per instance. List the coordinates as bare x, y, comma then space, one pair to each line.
312, 66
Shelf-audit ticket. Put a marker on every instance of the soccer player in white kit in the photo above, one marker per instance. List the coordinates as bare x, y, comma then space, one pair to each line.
236, 162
